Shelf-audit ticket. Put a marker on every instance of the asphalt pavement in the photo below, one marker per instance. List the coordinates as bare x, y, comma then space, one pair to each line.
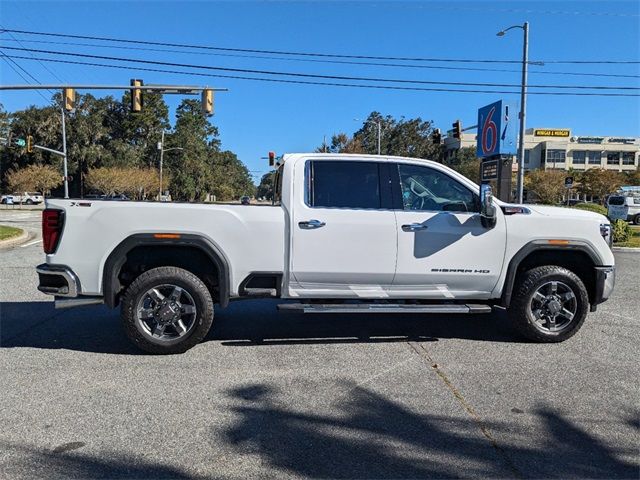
274, 395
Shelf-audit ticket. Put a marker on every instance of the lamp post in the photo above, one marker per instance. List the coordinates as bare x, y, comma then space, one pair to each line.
162, 150
523, 104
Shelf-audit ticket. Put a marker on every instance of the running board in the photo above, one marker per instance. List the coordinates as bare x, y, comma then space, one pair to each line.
383, 308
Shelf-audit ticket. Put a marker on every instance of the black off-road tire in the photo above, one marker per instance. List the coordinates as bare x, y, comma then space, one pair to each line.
520, 313
174, 276
636, 219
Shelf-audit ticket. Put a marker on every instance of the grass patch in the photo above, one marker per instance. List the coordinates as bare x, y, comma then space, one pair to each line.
9, 232
634, 241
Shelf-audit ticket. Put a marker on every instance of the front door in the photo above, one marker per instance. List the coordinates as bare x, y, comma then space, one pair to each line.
444, 252
343, 231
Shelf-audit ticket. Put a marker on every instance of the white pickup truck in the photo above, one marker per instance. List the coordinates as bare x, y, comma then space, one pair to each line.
345, 233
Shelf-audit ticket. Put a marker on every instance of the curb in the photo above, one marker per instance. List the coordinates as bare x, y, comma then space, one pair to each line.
626, 249
12, 242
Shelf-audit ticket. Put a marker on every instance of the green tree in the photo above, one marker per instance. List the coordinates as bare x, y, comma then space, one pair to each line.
407, 138
192, 168
265, 188
466, 163
547, 185
341, 143
599, 182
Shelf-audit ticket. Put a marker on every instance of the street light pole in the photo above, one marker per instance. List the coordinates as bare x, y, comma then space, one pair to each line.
64, 156
523, 109
379, 124
162, 150
523, 105
161, 155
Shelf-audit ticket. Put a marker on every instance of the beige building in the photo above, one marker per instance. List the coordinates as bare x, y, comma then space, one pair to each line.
557, 148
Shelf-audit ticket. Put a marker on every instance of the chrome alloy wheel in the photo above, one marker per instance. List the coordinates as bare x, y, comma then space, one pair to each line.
553, 306
166, 312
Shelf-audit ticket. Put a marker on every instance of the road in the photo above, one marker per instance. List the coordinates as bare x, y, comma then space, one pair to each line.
271, 395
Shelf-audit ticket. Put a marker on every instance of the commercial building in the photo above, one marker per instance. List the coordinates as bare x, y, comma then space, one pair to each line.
557, 148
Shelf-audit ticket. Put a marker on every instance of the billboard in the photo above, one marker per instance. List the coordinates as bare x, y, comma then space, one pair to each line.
496, 131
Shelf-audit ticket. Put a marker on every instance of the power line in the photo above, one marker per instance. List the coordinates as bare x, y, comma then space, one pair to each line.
309, 75
333, 84
308, 54
43, 65
11, 61
338, 62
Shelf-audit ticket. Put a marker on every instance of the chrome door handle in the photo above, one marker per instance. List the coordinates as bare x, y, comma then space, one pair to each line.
311, 224
414, 227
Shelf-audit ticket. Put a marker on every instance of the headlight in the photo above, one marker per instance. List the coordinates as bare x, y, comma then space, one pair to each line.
605, 231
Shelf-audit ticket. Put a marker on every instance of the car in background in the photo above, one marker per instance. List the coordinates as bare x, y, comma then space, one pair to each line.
624, 207
28, 198
245, 200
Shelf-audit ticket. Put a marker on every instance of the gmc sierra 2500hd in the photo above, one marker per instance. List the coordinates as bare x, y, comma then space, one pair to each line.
345, 233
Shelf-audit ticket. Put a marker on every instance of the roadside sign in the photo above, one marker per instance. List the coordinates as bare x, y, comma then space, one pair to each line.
568, 182
489, 170
496, 133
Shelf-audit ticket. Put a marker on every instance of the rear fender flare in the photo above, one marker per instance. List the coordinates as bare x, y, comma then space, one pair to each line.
117, 258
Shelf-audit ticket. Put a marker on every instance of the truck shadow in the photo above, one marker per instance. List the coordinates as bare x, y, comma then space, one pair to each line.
368, 434
249, 323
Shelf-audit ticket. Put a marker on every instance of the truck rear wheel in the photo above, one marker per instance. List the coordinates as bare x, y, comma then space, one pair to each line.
167, 310
549, 304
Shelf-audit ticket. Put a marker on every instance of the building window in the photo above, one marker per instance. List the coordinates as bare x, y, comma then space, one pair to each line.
594, 158
556, 156
628, 158
613, 158
579, 157
527, 155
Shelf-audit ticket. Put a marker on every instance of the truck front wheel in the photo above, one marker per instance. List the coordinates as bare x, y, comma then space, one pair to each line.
167, 310
550, 304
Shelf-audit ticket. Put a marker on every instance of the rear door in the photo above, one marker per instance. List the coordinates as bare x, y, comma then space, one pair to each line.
343, 230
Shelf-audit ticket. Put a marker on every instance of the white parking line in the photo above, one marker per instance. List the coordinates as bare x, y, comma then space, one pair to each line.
30, 243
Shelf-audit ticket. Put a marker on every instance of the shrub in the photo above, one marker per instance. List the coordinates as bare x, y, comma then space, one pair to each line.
592, 207
621, 231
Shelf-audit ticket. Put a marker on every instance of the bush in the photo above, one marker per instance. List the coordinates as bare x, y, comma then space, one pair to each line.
592, 207
621, 231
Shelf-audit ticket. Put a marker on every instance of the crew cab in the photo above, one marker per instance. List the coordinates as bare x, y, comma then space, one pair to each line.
344, 233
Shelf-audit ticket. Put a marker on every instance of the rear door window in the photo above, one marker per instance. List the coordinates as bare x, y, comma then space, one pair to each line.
616, 201
344, 184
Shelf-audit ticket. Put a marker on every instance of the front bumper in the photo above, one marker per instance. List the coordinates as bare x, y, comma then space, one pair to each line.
58, 280
605, 281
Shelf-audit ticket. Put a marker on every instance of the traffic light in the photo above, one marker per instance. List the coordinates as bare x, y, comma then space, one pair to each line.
272, 159
436, 137
29, 144
457, 129
136, 95
207, 101
69, 98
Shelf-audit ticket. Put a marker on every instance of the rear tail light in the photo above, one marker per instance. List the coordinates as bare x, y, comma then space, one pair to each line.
52, 223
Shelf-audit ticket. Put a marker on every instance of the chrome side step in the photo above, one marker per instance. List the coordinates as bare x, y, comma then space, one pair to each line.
63, 302
383, 308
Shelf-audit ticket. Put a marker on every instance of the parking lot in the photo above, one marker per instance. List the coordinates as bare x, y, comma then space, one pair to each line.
274, 395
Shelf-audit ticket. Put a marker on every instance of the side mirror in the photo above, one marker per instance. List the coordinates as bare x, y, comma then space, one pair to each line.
487, 209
